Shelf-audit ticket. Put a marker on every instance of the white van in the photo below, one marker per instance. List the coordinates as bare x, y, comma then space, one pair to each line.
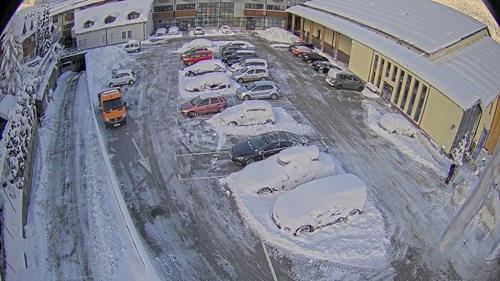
249, 62
133, 46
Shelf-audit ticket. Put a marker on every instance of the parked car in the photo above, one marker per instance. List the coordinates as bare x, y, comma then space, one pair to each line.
197, 56
229, 51
161, 31
122, 77
241, 44
319, 203
203, 67
286, 170
263, 146
325, 66
300, 50
209, 81
247, 113
204, 104
312, 57
345, 80
304, 44
250, 73
240, 54
173, 30
225, 29
258, 90
192, 51
133, 46
248, 62
198, 31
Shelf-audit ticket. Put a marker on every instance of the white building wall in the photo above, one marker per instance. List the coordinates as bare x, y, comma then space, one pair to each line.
123, 34
91, 39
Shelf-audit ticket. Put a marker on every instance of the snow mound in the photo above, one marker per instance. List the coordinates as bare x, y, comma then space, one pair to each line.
206, 81
397, 124
276, 34
104, 61
195, 43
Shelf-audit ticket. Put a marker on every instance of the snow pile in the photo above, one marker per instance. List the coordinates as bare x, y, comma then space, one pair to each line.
276, 34
111, 59
207, 81
204, 66
247, 113
195, 43
394, 123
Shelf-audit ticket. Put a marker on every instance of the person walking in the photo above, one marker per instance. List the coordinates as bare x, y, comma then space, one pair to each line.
450, 173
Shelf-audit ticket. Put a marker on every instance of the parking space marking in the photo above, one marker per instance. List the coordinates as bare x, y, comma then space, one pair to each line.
202, 153
198, 178
269, 261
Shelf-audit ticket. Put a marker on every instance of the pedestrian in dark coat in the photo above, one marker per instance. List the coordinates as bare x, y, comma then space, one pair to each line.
450, 173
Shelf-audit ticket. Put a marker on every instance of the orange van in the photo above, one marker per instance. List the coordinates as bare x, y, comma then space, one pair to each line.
112, 107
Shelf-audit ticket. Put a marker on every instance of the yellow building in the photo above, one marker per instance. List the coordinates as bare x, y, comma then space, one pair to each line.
436, 66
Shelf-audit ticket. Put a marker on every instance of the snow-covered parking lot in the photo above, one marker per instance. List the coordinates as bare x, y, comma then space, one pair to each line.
178, 181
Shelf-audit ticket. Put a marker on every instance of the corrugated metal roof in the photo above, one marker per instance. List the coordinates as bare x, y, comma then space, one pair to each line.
448, 82
427, 25
479, 65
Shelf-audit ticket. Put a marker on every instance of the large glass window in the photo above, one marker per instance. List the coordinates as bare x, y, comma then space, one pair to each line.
215, 14
180, 7
413, 97
398, 88
276, 7
388, 69
420, 105
275, 22
254, 6
394, 74
380, 69
406, 91
164, 8
375, 61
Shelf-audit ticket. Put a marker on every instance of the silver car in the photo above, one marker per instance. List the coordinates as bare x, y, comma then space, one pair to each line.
122, 77
250, 73
258, 90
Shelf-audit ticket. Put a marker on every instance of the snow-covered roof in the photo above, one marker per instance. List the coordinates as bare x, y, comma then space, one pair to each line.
8, 102
478, 64
24, 21
427, 25
119, 10
447, 82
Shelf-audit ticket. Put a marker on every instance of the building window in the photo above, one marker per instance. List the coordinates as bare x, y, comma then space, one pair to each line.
380, 69
420, 105
165, 8
254, 6
68, 26
87, 24
129, 34
394, 73
276, 7
406, 91
375, 61
275, 22
55, 19
388, 70
124, 35
133, 15
109, 19
398, 88
181, 7
413, 97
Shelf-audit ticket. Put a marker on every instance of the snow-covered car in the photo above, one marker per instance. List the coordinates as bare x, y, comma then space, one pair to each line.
209, 81
162, 31
394, 123
198, 31
173, 30
286, 170
204, 66
319, 203
247, 113
225, 29
122, 77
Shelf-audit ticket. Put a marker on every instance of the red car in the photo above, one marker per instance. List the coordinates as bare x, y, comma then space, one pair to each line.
197, 56
203, 104
299, 51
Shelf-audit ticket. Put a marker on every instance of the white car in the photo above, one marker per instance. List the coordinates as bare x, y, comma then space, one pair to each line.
122, 77
319, 203
204, 66
198, 31
286, 170
225, 29
133, 46
162, 31
173, 30
209, 81
247, 113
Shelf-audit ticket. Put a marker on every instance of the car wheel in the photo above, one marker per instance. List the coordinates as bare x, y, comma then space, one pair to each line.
246, 97
190, 74
232, 124
341, 219
304, 229
265, 190
355, 211
189, 63
269, 121
339, 86
240, 80
299, 55
274, 96
249, 161
131, 82
263, 79
360, 89
309, 61
191, 114
111, 85
136, 50
222, 108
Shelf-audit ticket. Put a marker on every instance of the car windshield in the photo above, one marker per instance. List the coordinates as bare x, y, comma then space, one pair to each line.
244, 69
257, 142
251, 86
112, 104
196, 100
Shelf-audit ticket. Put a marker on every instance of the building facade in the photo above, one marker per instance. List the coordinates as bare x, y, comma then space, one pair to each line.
433, 64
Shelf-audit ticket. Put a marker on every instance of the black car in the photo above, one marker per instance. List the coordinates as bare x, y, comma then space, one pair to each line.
263, 146
230, 50
312, 57
293, 46
237, 57
324, 66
